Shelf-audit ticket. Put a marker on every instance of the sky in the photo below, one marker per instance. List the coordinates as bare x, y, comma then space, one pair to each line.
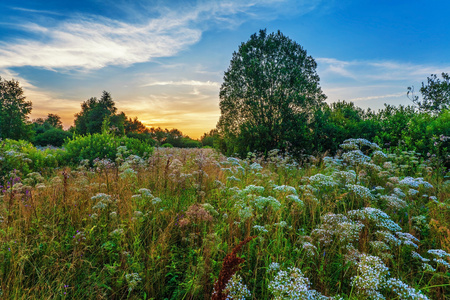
163, 61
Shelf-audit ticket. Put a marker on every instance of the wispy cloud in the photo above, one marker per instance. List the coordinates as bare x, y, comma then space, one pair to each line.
89, 42
184, 82
372, 82
36, 11
95, 43
378, 97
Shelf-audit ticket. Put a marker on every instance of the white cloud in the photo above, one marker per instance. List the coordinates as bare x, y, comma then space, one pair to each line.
184, 82
372, 83
93, 42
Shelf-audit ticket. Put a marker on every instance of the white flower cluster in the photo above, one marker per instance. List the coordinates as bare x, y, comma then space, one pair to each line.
273, 266
309, 248
388, 237
250, 189
394, 202
399, 192
415, 182
285, 189
377, 217
255, 167
292, 284
379, 156
345, 177
133, 280
355, 157
331, 162
146, 194
403, 291
261, 202
322, 181
236, 290
356, 144
260, 228
103, 201
360, 191
441, 257
371, 275
407, 239
295, 199
336, 227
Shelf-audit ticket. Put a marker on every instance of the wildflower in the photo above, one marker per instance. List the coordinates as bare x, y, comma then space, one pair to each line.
393, 202
376, 216
404, 291
133, 280
236, 289
116, 232
371, 275
253, 189
295, 199
285, 189
292, 284
273, 267
260, 228
264, 202
360, 191
322, 181
355, 157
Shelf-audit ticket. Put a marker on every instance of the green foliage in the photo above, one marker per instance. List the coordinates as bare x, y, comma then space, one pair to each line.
54, 137
167, 145
268, 96
14, 111
103, 146
354, 226
22, 157
93, 113
143, 137
435, 95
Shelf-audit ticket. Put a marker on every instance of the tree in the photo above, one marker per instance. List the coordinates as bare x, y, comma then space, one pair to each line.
94, 111
268, 96
54, 121
435, 95
14, 110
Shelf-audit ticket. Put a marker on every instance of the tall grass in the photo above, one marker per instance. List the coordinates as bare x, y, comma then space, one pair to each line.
361, 225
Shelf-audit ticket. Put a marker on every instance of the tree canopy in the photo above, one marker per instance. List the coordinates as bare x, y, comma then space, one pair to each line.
93, 113
268, 95
14, 111
435, 94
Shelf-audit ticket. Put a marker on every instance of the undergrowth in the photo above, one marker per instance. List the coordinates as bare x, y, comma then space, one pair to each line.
364, 224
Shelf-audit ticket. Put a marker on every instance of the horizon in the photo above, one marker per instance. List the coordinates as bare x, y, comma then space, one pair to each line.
163, 61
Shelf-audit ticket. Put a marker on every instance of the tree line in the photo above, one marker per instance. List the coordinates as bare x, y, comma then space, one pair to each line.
270, 99
15, 123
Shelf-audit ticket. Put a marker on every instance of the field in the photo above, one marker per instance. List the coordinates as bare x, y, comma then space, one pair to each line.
364, 224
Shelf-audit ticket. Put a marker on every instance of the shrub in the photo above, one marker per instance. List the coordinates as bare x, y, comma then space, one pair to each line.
54, 137
102, 146
167, 145
24, 158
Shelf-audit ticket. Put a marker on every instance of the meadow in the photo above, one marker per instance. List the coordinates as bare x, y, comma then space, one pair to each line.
366, 223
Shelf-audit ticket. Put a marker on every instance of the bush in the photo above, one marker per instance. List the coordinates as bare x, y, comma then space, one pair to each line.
167, 145
143, 137
102, 146
54, 137
23, 158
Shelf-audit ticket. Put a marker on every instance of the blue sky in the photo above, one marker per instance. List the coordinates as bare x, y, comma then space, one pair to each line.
163, 61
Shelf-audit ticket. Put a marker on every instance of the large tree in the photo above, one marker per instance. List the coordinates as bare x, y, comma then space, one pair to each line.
14, 111
94, 111
268, 96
